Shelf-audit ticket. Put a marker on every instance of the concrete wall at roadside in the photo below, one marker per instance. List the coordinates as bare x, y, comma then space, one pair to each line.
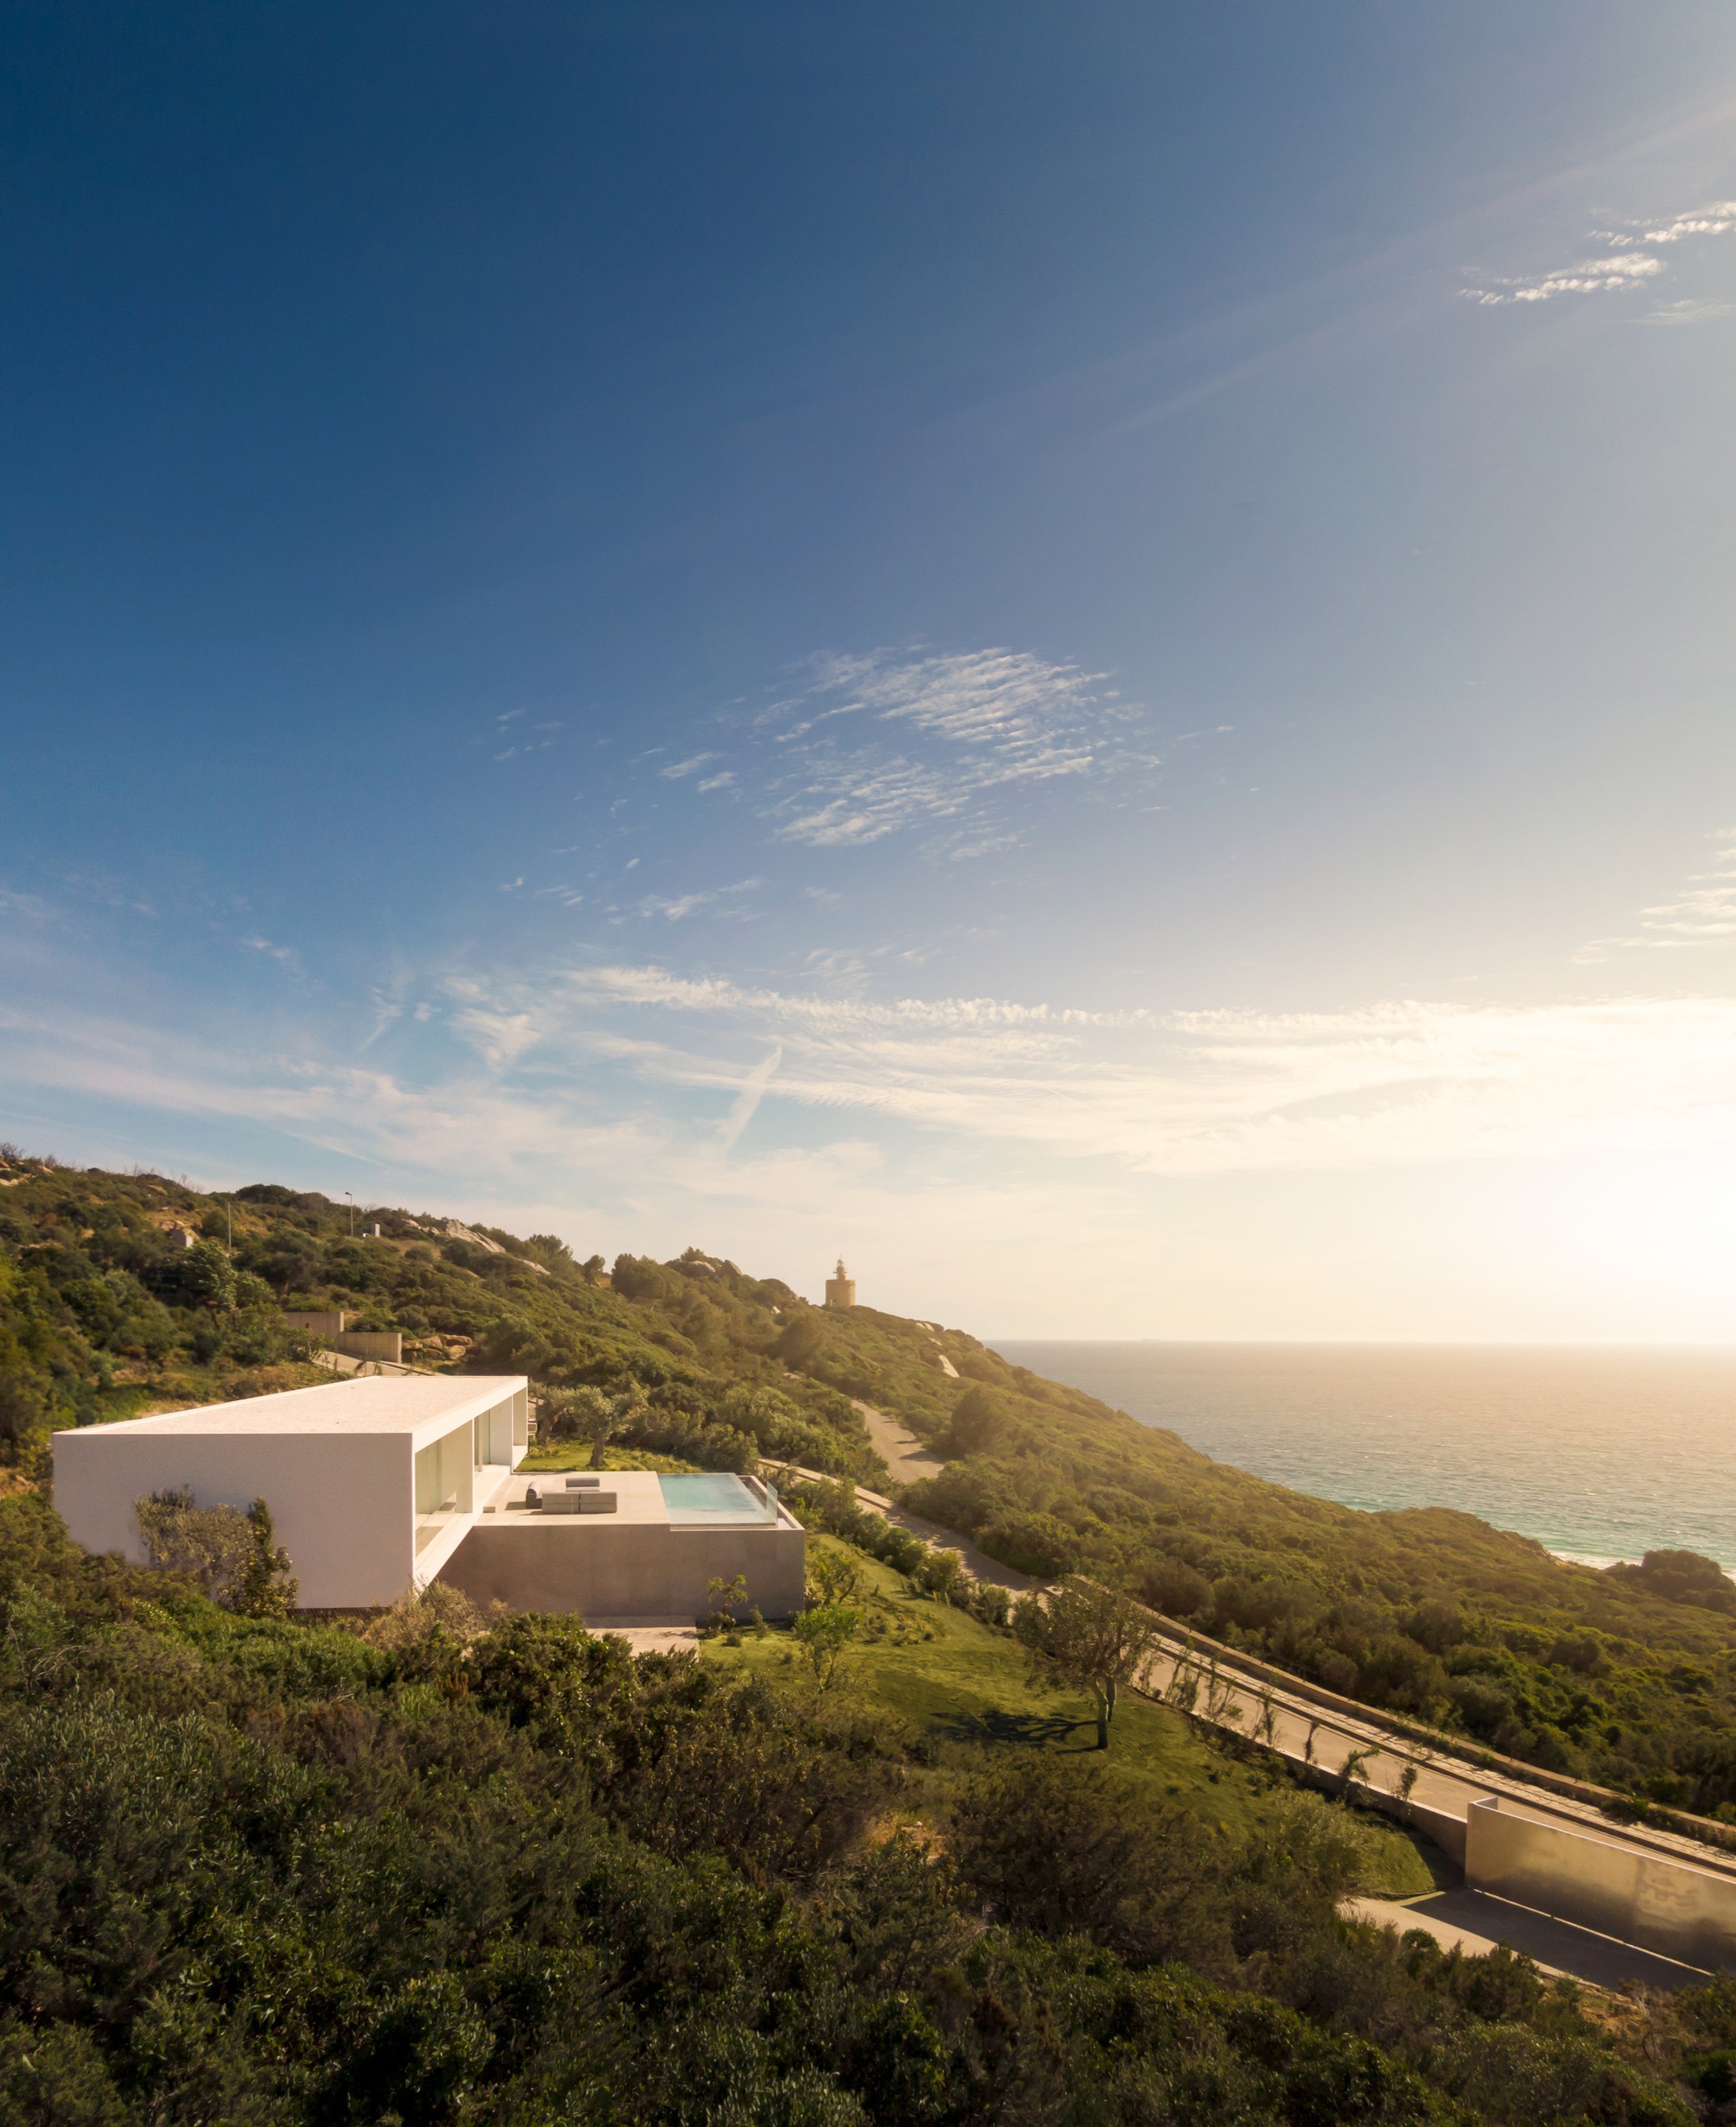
341, 1505
1441, 1826
370, 1344
1670, 1906
584, 1564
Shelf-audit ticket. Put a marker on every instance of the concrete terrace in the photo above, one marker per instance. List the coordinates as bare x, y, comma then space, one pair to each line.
639, 1563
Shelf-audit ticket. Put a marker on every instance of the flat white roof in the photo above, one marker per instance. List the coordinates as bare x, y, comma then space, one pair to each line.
376, 1403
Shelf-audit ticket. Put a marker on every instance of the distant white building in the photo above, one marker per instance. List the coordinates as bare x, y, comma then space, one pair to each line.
381, 1484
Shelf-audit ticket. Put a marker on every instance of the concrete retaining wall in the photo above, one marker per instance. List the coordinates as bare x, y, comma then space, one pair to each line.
633, 1569
1670, 1906
1437, 1742
370, 1344
1447, 1830
1439, 1825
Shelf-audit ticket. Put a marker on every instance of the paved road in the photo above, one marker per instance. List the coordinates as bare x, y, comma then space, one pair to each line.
1389, 1766
1474, 1923
1428, 1789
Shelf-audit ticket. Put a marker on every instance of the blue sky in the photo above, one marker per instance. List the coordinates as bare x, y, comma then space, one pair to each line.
1084, 653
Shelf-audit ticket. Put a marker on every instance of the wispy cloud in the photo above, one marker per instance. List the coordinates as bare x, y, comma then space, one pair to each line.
1589, 277
953, 748
1716, 220
1703, 913
287, 956
30, 906
1692, 310
881, 745
644, 1079
1013, 1154
1176, 1094
716, 995
673, 908
747, 1104
1626, 265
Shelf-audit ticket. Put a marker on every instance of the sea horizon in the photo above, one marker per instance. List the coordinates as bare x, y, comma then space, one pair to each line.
1598, 1451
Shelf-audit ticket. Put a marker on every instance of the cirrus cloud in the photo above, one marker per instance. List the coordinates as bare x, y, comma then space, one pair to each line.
945, 744
1186, 1093
1626, 265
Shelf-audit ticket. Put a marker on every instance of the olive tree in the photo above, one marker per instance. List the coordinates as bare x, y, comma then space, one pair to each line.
234, 1557
590, 1415
1081, 1634
942, 1575
823, 1633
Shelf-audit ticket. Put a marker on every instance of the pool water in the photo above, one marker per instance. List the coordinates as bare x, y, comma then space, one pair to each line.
713, 1496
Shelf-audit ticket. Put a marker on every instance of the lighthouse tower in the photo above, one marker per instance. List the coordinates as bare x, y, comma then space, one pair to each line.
840, 1292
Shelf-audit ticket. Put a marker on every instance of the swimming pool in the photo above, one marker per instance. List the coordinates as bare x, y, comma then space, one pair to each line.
711, 1495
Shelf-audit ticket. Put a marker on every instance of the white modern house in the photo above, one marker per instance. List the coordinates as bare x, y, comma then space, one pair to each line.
373, 1484
378, 1485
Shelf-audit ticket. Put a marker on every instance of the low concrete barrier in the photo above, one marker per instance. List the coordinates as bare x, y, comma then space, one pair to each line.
1663, 1905
1446, 1830
1440, 1743
1441, 1826
370, 1344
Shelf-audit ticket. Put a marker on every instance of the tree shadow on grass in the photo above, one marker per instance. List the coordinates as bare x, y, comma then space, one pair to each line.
1034, 1731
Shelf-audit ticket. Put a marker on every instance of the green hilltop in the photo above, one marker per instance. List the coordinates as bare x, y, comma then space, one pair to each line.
1628, 1678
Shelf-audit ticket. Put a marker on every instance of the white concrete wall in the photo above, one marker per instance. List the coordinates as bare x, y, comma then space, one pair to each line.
1670, 1906
495, 1428
342, 1504
445, 1471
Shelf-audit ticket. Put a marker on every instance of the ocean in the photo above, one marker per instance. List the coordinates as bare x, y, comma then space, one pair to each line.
1598, 1452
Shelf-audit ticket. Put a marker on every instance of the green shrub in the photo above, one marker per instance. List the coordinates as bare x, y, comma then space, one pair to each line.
1034, 1544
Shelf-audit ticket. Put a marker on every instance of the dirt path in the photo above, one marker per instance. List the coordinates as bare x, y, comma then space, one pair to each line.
898, 1446
977, 1563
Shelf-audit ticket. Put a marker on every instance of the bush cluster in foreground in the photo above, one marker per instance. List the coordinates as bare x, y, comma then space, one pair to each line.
259, 1872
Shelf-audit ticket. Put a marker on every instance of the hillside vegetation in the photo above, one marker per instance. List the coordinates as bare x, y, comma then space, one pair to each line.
1626, 1677
494, 1872
462, 1873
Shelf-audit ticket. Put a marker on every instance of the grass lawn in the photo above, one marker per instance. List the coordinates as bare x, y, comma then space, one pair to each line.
965, 1688
577, 1455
